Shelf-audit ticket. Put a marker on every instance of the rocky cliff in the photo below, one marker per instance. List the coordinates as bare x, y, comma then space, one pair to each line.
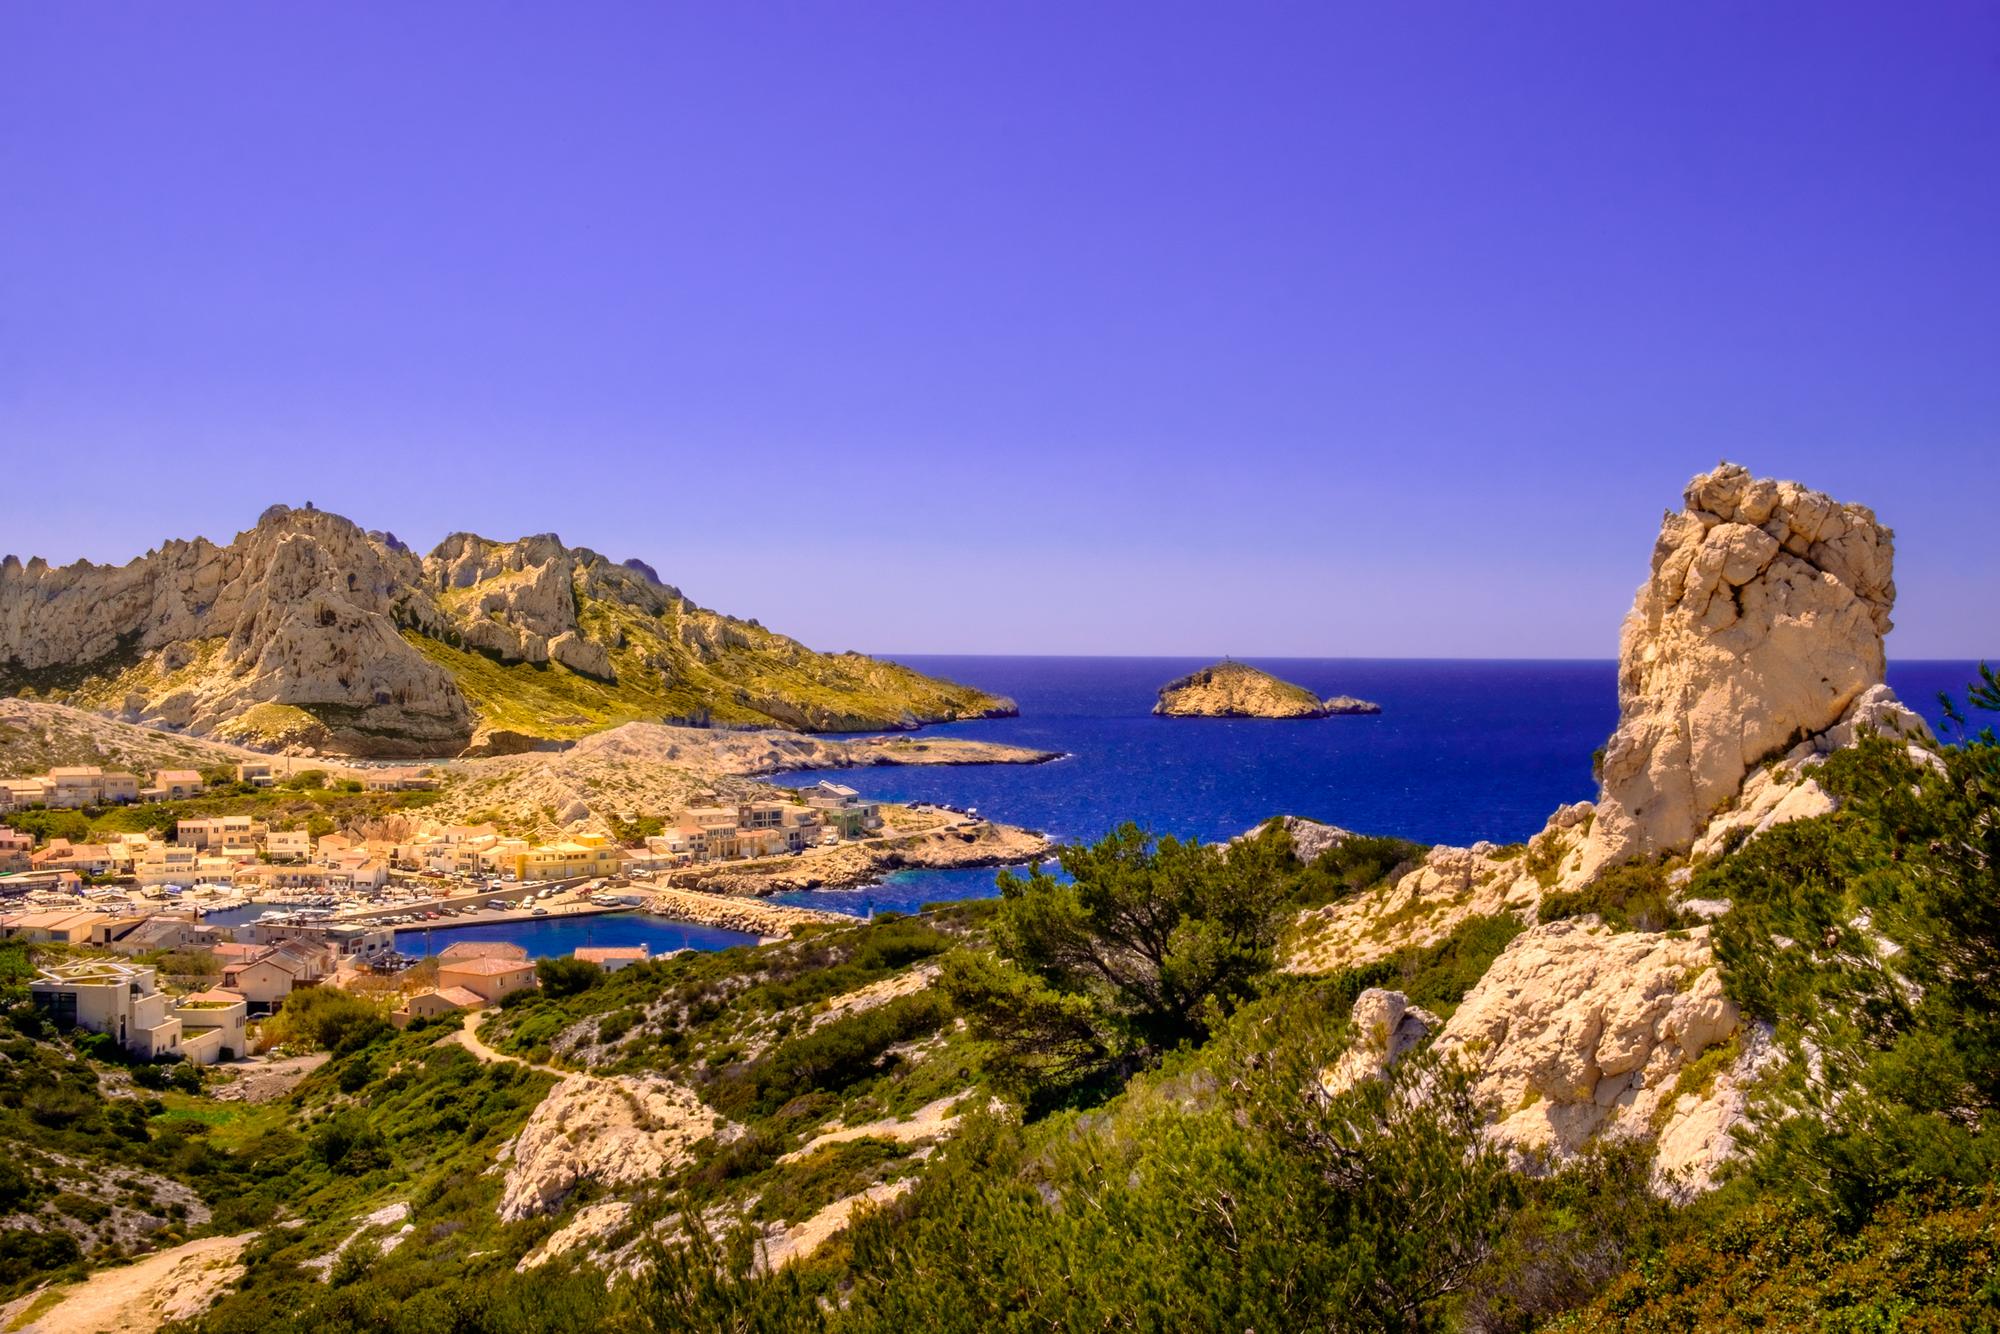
1761, 624
1753, 650
308, 633
1236, 690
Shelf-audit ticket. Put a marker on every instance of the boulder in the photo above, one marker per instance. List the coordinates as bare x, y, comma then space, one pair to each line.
1577, 1031
1386, 1026
612, 1131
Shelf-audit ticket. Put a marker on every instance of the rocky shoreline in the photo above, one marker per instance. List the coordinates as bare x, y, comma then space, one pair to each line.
854, 864
734, 913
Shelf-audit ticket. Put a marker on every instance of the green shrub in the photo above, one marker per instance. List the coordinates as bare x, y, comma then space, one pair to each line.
562, 977
1627, 898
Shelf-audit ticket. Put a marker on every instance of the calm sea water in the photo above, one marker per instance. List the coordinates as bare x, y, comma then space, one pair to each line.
1463, 750
543, 937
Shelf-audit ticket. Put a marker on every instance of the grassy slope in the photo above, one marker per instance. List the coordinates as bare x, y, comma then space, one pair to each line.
756, 677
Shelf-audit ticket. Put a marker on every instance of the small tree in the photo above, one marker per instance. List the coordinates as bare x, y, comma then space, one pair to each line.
567, 977
1142, 945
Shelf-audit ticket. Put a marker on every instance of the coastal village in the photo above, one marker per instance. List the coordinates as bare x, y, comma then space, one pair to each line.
123, 910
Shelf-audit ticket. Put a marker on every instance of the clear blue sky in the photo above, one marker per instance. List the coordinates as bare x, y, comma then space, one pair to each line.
1264, 329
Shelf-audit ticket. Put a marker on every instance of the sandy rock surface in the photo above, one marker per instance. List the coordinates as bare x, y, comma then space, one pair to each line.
1578, 1031
610, 1130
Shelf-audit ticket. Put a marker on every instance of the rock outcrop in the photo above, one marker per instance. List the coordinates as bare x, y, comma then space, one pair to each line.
1452, 886
309, 634
1752, 651
1760, 625
612, 1131
1311, 839
1386, 1026
300, 616
1578, 1032
1236, 690
1343, 705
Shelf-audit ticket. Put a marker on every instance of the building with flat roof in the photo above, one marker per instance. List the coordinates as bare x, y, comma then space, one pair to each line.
613, 957
110, 996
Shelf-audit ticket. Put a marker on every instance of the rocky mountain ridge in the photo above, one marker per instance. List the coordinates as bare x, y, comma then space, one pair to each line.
308, 633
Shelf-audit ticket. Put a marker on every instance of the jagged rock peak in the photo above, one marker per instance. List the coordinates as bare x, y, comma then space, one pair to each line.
1760, 624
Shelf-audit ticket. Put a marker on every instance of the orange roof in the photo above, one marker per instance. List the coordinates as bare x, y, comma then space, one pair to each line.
482, 949
486, 967
606, 953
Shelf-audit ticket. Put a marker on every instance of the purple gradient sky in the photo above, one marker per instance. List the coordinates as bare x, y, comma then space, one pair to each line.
1378, 329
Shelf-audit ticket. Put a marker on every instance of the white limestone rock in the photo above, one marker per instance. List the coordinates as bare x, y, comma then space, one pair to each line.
1761, 625
613, 1131
1386, 1027
1578, 1032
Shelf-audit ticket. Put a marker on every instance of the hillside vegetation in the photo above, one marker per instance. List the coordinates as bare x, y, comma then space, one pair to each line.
1092, 1103
1095, 1103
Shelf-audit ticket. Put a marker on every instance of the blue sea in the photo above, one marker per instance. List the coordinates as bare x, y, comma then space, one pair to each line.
542, 937
1462, 750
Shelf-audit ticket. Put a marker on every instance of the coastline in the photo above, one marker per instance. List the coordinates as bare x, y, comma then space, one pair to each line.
852, 865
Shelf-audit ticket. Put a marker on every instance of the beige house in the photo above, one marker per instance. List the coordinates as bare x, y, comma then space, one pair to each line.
83, 858
266, 980
166, 864
165, 933
212, 1026
431, 1004
57, 927
288, 845
220, 832
20, 793
87, 785
15, 850
107, 996
257, 773
489, 979
174, 784
613, 957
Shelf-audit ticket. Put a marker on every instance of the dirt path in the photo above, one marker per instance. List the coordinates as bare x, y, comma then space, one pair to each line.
467, 1036
139, 1298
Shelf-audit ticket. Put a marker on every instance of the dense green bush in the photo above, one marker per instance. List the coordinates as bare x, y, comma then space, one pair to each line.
327, 1019
562, 977
1140, 946
1627, 898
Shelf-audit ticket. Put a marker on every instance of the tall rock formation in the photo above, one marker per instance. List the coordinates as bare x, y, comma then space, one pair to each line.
308, 633
1761, 624
1753, 650
292, 628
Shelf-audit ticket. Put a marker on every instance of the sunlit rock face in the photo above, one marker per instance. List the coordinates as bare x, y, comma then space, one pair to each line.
1760, 625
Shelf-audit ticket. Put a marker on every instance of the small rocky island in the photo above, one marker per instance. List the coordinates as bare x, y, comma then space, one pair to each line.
1238, 690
